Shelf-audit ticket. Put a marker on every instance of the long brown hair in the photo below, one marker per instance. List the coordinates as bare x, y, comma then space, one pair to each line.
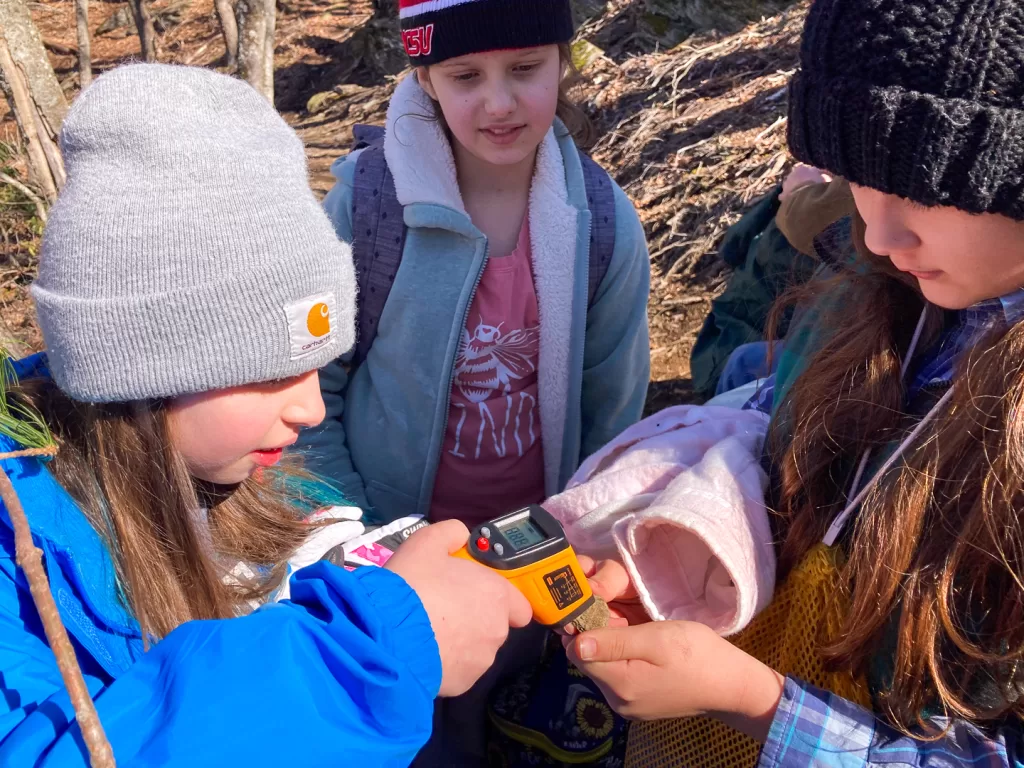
173, 540
936, 555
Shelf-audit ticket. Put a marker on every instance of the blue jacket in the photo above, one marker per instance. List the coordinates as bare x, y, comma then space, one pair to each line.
344, 673
383, 435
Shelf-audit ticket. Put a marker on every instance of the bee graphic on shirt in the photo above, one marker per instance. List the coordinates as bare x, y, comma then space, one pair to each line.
490, 361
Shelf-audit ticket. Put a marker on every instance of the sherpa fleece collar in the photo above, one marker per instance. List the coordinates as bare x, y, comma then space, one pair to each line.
421, 162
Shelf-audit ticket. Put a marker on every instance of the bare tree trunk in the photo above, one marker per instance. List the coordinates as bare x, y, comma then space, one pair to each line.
31, 88
256, 24
84, 44
28, 53
268, 49
144, 24
229, 28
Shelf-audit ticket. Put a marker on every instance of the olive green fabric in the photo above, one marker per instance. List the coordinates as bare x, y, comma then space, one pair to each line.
765, 265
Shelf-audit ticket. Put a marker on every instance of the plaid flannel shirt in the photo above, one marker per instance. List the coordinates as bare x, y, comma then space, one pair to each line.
816, 728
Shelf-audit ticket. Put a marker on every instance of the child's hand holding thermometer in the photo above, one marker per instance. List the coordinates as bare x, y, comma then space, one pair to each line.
528, 547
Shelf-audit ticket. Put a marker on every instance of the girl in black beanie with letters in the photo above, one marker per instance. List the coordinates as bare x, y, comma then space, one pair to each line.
897, 452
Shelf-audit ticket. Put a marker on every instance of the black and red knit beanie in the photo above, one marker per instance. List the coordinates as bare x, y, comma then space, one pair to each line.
918, 98
436, 30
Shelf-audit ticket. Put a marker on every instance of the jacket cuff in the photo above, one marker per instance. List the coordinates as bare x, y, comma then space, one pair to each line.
412, 638
813, 727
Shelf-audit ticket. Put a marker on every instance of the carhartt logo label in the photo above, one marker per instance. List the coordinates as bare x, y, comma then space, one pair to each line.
318, 321
310, 324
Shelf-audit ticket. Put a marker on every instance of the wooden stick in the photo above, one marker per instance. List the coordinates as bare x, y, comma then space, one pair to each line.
25, 110
54, 159
229, 29
36, 200
59, 48
30, 560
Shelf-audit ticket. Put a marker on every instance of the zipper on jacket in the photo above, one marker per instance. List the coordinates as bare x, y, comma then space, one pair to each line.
451, 370
582, 351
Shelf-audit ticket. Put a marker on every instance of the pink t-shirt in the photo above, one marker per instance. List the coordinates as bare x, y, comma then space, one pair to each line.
492, 461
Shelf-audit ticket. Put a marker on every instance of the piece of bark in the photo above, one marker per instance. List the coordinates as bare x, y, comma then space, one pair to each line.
595, 617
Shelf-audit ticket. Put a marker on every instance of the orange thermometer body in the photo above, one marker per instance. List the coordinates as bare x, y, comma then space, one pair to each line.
528, 547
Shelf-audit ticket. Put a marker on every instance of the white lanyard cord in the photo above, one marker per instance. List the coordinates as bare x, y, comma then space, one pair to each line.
837, 524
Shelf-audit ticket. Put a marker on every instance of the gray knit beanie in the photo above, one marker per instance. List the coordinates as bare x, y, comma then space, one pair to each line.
187, 252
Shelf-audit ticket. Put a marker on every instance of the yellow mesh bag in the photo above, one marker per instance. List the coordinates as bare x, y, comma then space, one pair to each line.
805, 612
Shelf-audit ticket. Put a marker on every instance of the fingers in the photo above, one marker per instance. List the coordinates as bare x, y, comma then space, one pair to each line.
631, 610
612, 678
617, 680
639, 643
611, 581
802, 172
520, 612
587, 564
801, 176
448, 536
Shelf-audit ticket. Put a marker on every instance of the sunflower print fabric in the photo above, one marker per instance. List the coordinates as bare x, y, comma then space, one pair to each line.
552, 715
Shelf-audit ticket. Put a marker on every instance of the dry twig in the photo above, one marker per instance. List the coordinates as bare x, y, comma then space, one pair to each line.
27, 192
30, 560
48, 174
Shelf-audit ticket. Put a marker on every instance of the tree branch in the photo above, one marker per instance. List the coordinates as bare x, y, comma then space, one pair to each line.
229, 28
24, 111
59, 48
84, 44
30, 560
37, 201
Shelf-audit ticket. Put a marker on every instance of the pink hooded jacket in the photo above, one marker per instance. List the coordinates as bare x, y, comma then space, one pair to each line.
679, 499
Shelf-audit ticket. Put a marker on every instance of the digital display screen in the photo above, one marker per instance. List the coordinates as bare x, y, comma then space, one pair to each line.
522, 534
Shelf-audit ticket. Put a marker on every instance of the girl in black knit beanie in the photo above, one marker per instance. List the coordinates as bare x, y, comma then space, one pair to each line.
897, 449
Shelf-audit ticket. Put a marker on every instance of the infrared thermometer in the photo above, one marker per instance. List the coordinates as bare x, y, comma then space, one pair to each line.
528, 547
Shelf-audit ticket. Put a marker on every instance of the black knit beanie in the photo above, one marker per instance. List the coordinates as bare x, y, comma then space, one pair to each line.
918, 98
435, 30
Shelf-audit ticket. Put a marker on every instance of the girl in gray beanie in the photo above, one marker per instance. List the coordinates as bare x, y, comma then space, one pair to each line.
190, 286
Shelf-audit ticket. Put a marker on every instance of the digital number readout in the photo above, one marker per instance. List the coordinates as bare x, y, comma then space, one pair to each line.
523, 534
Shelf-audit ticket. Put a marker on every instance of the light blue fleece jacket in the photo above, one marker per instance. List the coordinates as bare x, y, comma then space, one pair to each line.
383, 435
